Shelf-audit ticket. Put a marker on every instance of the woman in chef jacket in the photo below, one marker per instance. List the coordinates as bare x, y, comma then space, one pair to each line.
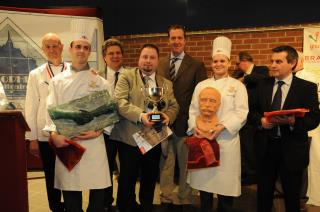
225, 179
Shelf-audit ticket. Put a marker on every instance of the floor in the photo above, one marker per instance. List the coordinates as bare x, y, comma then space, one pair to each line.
245, 203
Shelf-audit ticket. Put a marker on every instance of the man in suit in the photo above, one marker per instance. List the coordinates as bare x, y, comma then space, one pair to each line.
185, 73
131, 106
251, 75
112, 51
282, 141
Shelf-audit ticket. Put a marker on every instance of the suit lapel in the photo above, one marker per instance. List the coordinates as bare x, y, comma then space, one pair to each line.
184, 66
268, 93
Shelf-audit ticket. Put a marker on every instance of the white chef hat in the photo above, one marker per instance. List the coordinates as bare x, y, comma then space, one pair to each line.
81, 29
221, 45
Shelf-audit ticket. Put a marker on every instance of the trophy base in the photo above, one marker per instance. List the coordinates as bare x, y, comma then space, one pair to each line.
155, 117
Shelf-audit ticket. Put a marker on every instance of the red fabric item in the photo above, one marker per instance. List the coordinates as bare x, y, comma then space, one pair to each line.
75, 11
69, 155
299, 112
202, 153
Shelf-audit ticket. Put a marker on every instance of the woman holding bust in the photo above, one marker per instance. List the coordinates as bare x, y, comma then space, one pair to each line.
225, 179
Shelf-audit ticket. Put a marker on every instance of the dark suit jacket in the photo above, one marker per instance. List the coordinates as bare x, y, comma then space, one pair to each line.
258, 72
295, 148
189, 74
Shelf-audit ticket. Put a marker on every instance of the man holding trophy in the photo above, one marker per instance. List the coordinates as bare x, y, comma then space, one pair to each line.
138, 112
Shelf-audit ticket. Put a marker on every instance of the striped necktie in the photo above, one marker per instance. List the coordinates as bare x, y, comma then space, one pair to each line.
172, 70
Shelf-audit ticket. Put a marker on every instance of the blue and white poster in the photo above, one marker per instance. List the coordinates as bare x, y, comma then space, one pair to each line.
20, 46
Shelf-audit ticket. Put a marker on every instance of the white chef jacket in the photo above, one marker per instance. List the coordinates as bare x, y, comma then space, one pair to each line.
35, 104
92, 172
224, 179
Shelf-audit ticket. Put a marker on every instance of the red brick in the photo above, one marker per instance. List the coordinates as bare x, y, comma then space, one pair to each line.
259, 46
195, 38
242, 46
204, 43
251, 40
287, 39
259, 35
298, 32
276, 34
243, 35
269, 40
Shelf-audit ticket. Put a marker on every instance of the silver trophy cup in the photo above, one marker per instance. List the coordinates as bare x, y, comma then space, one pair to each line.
154, 97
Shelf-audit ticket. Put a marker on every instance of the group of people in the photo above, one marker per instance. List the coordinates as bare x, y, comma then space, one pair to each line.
282, 143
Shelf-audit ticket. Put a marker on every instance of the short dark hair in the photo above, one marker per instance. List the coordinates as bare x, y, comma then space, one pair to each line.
151, 46
177, 26
292, 54
245, 56
111, 42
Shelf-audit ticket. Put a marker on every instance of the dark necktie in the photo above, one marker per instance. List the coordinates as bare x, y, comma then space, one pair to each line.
172, 70
116, 75
277, 99
276, 105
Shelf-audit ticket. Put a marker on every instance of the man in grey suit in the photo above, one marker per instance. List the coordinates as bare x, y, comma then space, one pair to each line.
185, 73
131, 106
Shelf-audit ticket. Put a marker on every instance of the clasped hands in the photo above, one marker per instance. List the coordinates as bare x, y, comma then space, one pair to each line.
277, 120
212, 134
61, 140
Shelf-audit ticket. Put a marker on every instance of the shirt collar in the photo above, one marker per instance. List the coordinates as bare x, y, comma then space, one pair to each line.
287, 80
180, 56
152, 76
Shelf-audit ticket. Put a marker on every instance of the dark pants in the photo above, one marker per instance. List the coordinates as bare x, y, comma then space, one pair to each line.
248, 158
112, 150
269, 168
132, 162
206, 200
73, 200
48, 158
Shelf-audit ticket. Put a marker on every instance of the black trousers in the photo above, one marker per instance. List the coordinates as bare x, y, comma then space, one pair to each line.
269, 168
48, 158
224, 202
248, 158
73, 200
132, 162
112, 150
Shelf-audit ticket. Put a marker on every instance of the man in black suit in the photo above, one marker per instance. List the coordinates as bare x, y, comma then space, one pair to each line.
251, 75
282, 141
185, 72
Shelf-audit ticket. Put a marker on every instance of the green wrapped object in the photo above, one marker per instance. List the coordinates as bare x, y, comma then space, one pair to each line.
92, 112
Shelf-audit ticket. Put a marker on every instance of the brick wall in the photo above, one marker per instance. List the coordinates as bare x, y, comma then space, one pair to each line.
257, 41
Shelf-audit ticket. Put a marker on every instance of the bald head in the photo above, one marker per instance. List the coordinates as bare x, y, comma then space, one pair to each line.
52, 48
209, 101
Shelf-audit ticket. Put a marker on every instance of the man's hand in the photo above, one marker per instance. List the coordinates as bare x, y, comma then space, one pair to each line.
145, 119
266, 124
88, 135
283, 119
34, 147
59, 140
166, 119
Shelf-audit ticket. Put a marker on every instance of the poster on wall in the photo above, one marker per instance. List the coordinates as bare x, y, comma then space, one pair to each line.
311, 51
20, 46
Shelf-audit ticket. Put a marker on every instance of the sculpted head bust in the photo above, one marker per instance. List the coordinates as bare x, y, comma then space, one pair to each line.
209, 103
